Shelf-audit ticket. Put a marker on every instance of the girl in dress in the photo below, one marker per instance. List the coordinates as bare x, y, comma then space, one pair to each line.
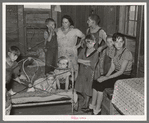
87, 59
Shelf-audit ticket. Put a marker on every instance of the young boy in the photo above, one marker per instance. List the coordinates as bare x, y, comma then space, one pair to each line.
62, 73
11, 64
51, 46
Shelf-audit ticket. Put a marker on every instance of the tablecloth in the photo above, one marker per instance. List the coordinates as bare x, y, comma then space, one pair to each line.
128, 96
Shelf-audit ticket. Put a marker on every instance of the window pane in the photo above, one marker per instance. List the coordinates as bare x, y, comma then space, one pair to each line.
135, 28
131, 28
122, 19
126, 14
37, 6
126, 27
136, 12
132, 13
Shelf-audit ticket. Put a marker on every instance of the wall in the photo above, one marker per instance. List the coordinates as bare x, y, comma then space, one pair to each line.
34, 20
80, 14
12, 26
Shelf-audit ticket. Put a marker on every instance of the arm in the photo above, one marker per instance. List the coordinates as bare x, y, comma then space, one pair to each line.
81, 35
118, 73
121, 71
85, 62
67, 83
112, 68
50, 34
57, 83
103, 36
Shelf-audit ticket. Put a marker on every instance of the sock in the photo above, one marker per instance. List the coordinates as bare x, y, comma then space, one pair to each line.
75, 97
91, 106
96, 111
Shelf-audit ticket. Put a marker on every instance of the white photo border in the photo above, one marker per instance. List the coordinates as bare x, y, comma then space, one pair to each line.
73, 117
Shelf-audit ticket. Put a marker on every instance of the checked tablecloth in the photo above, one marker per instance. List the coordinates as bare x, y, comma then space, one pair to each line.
128, 96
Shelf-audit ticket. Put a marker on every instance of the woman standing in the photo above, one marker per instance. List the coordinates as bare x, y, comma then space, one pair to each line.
100, 35
67, 37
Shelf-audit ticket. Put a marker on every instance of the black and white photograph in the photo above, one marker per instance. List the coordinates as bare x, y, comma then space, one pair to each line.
74, 61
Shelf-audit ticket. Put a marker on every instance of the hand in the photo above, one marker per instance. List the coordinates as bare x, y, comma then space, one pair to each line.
50, 30
102, 78
87, 63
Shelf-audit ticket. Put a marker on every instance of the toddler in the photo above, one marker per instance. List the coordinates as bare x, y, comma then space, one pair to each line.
47, 84
62, 73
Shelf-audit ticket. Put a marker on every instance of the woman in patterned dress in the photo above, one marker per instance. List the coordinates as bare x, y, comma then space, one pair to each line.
67, 37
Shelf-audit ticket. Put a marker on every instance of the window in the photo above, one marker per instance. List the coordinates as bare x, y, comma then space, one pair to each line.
128, 20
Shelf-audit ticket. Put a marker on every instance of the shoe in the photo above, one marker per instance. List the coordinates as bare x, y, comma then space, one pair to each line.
97, 114
86, 110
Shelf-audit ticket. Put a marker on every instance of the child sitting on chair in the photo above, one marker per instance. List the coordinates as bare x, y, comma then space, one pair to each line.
47, 84
62, 73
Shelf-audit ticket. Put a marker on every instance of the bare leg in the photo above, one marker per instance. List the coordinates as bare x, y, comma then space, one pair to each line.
99, 100
84, 100
67, 83
94, 97
87, 101
58, 84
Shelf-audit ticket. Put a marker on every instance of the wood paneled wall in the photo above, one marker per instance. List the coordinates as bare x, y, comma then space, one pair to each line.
12, 26
80, 14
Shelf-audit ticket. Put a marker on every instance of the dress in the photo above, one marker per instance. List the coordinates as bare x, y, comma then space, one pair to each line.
100, 36
67, 45
51, 54
85, 77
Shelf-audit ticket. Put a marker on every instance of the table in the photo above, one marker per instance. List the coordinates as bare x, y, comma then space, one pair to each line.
128, 96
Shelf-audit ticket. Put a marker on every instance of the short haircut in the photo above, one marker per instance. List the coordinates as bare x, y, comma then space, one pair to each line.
95, 17
49, 20
90, 36
117, 35
62, 58
15, 50
50, 74
69, 19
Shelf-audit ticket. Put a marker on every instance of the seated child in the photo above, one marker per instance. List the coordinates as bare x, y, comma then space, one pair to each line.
109, 52
11, 64
62, 73
47, 84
